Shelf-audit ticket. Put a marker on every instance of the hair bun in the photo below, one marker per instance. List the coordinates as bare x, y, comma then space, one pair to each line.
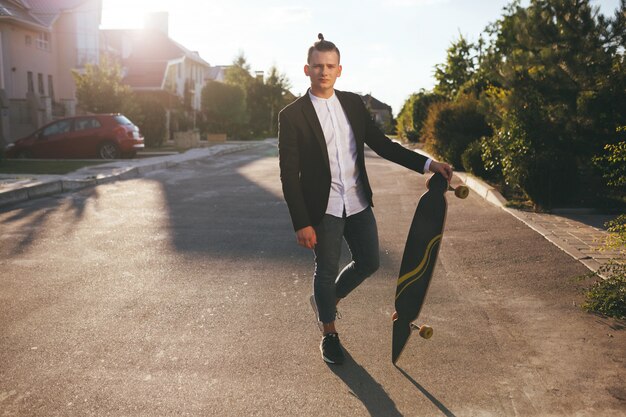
320, 36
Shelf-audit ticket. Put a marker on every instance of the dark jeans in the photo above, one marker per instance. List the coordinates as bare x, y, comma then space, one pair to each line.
361, 235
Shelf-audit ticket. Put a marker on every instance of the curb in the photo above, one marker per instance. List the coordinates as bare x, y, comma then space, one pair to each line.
494, 197
484, 190
82, 179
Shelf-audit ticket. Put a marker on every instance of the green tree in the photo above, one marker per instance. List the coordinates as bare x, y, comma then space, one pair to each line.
404, 124
238, 73
265, 98
149, 115
557, 94
452, 126
224, 108
278, 96
100, 90
414, 113
458, 69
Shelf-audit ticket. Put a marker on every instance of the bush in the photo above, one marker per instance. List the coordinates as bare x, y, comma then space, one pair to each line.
472, 159
153, 121
608, 296
451, 127
551, 179
224, 108
413, 115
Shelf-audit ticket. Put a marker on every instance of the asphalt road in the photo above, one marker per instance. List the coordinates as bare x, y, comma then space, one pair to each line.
184, 293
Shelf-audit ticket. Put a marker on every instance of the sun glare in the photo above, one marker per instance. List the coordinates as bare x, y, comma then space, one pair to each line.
124, 14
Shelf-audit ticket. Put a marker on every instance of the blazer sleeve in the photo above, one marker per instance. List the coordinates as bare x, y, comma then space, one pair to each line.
387, 148
289, 162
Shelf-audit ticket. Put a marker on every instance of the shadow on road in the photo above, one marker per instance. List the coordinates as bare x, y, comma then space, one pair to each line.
427, 394
32, 217
365, 388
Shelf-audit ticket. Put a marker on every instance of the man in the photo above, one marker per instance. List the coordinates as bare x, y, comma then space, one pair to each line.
325, 184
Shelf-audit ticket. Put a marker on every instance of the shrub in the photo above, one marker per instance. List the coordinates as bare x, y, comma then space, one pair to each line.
608, 296
472, 159
551, 179
413, 115
153, 121
451, 126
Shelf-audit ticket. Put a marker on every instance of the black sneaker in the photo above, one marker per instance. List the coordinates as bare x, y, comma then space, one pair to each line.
331, 349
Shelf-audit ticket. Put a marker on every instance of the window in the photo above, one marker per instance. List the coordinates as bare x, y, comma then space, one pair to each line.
31, 85
87, 123
50, 88
41, 89
29, 40
62, 126
43, 41
122, 120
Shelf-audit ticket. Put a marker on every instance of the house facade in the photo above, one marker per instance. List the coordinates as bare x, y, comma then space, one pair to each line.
153, 63
41, 43
381, 112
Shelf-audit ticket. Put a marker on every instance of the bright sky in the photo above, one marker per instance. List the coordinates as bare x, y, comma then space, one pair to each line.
388, 47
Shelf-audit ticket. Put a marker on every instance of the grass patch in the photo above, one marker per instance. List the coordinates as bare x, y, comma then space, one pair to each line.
608, 296
43, 167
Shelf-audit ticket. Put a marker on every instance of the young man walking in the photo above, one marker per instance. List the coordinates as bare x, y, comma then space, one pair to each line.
321, 142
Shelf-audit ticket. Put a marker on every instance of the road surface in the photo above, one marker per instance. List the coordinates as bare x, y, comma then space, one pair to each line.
184, 293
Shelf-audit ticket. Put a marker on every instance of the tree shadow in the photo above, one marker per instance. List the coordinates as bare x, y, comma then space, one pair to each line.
591, 219
32, 216
446, 412
365, 388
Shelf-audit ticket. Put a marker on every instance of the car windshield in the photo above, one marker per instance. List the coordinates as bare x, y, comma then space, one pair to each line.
122, 120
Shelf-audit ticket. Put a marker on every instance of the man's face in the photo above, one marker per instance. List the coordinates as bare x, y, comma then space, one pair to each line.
323, 70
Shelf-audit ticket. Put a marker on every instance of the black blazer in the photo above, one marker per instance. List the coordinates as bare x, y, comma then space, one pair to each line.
303, 156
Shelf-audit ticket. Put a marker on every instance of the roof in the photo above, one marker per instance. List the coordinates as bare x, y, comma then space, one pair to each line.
152, 45
48, 10
374, 104
217, 72
15, 10
146, 74
151, 53
41, 13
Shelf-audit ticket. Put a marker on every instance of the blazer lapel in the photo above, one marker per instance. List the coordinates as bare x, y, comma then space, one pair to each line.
352, 116
314, 123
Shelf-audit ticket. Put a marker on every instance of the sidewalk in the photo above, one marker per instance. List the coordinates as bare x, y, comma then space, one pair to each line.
19, 188
579, 233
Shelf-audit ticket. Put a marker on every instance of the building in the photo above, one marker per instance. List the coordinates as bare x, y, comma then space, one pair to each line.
41, 43
153, 63
381, 112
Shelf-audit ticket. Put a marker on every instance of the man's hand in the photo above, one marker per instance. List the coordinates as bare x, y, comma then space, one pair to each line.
306, 237
442, 168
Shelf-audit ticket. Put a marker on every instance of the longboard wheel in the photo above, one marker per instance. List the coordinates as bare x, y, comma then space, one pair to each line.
394, 316
462, 191
425, 331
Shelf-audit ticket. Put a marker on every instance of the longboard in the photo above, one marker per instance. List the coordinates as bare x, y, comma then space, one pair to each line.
418, 261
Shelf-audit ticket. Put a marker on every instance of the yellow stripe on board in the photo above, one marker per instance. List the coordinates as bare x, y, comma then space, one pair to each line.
427, 257
421, 265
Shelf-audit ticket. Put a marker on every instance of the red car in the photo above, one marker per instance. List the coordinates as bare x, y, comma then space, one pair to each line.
106, 136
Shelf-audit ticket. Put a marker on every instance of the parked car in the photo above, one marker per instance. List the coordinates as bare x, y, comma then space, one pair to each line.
106, 136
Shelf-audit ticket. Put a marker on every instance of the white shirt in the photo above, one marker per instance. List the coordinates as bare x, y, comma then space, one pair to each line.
346, 189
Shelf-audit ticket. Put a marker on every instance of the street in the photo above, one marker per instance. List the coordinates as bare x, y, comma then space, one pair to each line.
184, 293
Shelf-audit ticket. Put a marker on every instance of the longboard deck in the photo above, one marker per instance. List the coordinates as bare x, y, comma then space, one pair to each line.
419, 259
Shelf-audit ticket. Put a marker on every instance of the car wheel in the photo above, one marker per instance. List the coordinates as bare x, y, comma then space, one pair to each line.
108, 150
